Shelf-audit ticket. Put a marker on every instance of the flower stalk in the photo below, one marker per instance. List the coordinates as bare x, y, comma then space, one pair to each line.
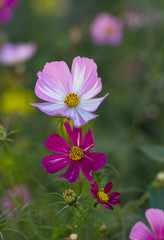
88, 220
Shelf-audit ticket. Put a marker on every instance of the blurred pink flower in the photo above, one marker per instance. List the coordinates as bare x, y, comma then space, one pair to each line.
106, 29
12, 54
6, 9
134, 18
13, 198
155, 218
70, 93
76, 156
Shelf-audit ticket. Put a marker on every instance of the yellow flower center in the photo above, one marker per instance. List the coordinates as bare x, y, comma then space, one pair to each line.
104, 196
76, 153
72, 99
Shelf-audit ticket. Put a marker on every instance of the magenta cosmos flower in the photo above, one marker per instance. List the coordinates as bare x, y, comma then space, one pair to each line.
155, 218
6, 9
76, 156
13, 198
70, 93
103, 196
12, 54
106, 29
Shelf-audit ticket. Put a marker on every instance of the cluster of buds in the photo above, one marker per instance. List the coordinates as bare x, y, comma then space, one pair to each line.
70, 197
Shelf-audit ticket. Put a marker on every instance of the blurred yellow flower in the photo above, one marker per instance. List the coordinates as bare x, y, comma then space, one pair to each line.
57, 7
16, 100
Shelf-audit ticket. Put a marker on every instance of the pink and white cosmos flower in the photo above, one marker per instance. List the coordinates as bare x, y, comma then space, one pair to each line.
70, 93
155, 218
106, 29
6, 9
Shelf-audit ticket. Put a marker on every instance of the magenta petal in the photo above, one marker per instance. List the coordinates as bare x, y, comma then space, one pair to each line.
55, 163
86, 170
94, 194
12, 3
72, 172
88, 141
75, 134
156, 219
56, 143
95, 160
114, 201
94, 187
141, 232
107, 205
114, 195
108, 187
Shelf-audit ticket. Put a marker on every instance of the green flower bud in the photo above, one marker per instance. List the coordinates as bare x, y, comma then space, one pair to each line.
70, 197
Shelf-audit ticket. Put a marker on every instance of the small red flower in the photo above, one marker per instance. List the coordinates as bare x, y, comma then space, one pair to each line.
103, 197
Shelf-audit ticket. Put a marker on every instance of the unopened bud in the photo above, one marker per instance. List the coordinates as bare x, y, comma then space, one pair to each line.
70, 197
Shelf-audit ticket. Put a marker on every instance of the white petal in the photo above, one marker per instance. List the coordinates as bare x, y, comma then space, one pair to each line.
92, 104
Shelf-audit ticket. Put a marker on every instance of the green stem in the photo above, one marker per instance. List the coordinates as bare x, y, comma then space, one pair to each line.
86, 214
13, 161
90, 223
142, 199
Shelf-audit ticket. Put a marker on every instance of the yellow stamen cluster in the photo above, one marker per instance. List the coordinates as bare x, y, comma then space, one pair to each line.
76, 153
72, 100
104, 196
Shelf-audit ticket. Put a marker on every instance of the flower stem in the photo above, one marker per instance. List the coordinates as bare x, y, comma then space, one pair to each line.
5, 175
90, 223
13, 161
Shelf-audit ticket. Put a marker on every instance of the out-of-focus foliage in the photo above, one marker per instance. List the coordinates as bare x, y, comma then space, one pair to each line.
130, 118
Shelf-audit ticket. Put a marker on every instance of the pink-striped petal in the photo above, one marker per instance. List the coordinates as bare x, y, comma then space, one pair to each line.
108, 187
51, 108
55, 163
56, 143
88, 141
72, 172
156, 219
91, 105
84, 74
141, 232
54, 82
82, 116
